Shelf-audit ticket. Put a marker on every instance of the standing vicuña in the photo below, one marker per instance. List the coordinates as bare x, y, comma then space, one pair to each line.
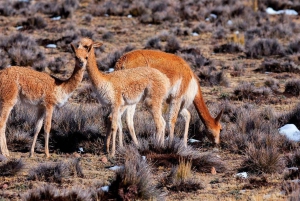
39, 90
121, 89
185, 88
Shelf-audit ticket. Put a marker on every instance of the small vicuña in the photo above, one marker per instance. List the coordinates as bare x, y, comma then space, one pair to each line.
39, 90
121, 89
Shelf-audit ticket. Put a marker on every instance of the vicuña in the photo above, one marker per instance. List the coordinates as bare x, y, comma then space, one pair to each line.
185, 88
121, 89
39, 90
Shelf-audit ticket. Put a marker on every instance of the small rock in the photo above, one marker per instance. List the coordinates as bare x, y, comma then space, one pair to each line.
213, 171
104, 159
243, 175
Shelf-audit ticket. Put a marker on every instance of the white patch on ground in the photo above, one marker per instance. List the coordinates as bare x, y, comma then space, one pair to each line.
105, 188
271, 11
116, 167
51, 46
243, 175
290, 131
56, 18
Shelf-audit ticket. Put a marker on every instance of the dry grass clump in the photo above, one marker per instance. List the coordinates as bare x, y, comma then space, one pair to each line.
230, 48
291, 117
248, 124
194, 57
262, 158
56, 172
50, 192
292, 87
76, 126
238, 70
170, 155
272, 84
209, 76
11, 167
180, 178
23, 50
248, 91
154, 43
4, 62
36, 22
257, 182
110, 60
272, 65
265, 47
135, 180
65, 8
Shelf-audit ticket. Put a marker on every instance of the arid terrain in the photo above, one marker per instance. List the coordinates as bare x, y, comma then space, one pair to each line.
248, 64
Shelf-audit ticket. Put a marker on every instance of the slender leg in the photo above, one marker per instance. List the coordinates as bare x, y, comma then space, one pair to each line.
37, 129
108, 133
120, 126
187, 117
114, 127
47, 127
159, 121
172, 118
6, 109
129, 120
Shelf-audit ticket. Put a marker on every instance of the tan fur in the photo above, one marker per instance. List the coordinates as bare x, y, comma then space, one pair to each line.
39, 90
121, 89
185, 87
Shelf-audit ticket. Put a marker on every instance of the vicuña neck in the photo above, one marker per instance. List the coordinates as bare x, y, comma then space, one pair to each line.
95, 75
203, 111
72, 83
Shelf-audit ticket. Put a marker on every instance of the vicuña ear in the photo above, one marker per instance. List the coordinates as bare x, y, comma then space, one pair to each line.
97, 44
73, 48
219, 116
89, 48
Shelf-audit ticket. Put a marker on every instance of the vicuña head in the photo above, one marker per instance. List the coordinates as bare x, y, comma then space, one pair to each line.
40, 90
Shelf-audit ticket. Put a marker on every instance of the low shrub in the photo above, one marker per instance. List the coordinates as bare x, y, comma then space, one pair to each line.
292, 87
265, 47
11, 167
230, 48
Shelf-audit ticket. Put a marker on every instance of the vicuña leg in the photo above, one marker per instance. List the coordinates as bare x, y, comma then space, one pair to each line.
5, 111
172, 118
120, 126
159, 120
187, 117
47, 127
37, 129
114, 126
129, 120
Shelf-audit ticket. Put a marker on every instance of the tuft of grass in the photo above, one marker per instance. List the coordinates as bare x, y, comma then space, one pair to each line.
50, 192
292, 87
11, 167
172, 154
291, 117
56, 172
36, 22
22, 50
172, 45
110, 60
209, 76
154, 43
272, 65
135, 180
265, 47
230, 48
272, 84
248, 91
194, 57
262, 159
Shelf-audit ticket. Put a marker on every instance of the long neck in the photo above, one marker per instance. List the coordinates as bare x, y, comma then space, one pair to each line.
72, 83
95, 75
202, 109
